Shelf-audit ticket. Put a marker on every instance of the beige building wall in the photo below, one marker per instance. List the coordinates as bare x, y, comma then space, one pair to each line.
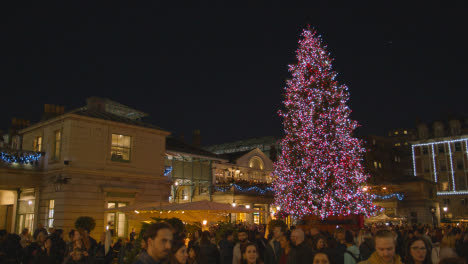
94, 178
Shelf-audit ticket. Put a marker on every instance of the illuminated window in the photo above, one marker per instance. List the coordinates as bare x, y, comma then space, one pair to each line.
375, 164
50, 214
405, 132
121, 147
57, 144
37, 144
397, 144
380, 165
117, 222
256, 163
396, 132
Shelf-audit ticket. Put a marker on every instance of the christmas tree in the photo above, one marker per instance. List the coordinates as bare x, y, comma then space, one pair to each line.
319, 171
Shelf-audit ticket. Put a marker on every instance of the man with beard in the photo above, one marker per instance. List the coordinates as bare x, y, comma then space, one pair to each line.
158, 238
242, 235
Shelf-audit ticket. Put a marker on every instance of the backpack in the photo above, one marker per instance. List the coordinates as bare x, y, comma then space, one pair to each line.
357, 259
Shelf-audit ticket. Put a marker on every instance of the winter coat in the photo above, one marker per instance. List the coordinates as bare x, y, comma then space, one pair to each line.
348, 259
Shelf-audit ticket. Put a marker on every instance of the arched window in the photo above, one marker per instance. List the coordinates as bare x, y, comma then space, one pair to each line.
256, 163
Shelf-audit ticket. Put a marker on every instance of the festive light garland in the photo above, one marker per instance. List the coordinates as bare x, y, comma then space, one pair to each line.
399, 196
319, 171
246, 189
18, 158
167, 170
431, 144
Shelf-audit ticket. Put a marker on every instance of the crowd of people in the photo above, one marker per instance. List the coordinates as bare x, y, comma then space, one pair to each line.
244, 244
50, 247
370, 245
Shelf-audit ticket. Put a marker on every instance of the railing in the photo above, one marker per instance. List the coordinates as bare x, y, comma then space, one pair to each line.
244, 188
21, 159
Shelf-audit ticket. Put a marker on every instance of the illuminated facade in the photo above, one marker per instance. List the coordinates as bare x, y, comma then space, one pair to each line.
441, 155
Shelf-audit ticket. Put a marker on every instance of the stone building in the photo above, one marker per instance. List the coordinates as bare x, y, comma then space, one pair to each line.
440, 155
97, 157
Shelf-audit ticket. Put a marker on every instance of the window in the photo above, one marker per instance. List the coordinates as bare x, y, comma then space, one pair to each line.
57, 144
459, 164
121, 147
458, 146
37, 144
50, 214
442, 165
117, 222
380, 165
426, 167
375, 164
441, 149
405, 132
425, 150
396, 132
397, 144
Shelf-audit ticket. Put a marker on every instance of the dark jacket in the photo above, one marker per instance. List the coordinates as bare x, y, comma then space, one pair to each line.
272, 253
339, 253
366, 249
43, 258
301, 254
144, 258
208, 254
226, 247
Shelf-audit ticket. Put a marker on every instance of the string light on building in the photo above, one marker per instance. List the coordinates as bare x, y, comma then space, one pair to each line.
20, 158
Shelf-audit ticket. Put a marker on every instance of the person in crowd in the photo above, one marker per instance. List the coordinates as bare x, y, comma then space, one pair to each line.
418, 251
351, 254
242, 235
367, 245
158, 238
132, 235
435, 252
40, 229
273, 249
340, 246
33, 249
78, 253
10, 248
261, 243
179, 254
321, 258
302, 253
384, 249
195, 241
26, 238
226, 247
104, 252
46, 255
286, 246
250, 254
447, 247
207, 252
319, 244
192, 256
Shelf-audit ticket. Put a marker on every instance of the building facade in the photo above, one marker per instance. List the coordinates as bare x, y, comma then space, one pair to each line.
440, 155
95, 158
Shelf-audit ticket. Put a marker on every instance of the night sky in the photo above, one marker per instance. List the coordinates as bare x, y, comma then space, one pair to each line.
223, 70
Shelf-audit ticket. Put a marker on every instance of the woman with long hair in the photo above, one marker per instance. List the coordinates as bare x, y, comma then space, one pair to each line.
319, 244
179, 254
418, 251
249, 253
286, 245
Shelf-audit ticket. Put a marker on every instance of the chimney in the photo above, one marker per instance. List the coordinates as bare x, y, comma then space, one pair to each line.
51, 111
196, 139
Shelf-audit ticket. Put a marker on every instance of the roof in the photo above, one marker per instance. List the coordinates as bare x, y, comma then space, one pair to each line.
176, 145
112, 117
233, 156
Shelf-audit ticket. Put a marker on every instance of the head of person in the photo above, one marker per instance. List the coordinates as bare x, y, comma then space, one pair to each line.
249, 253
158, 238
297, 236
314, 231
243, 235
76, 235
320, 243
205, 238
25, 231
285, 241
277, 232
418, 251
179, 252
41, 238
321, 258
340, 235
349, 238
385, 245
228, 236
197, 234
